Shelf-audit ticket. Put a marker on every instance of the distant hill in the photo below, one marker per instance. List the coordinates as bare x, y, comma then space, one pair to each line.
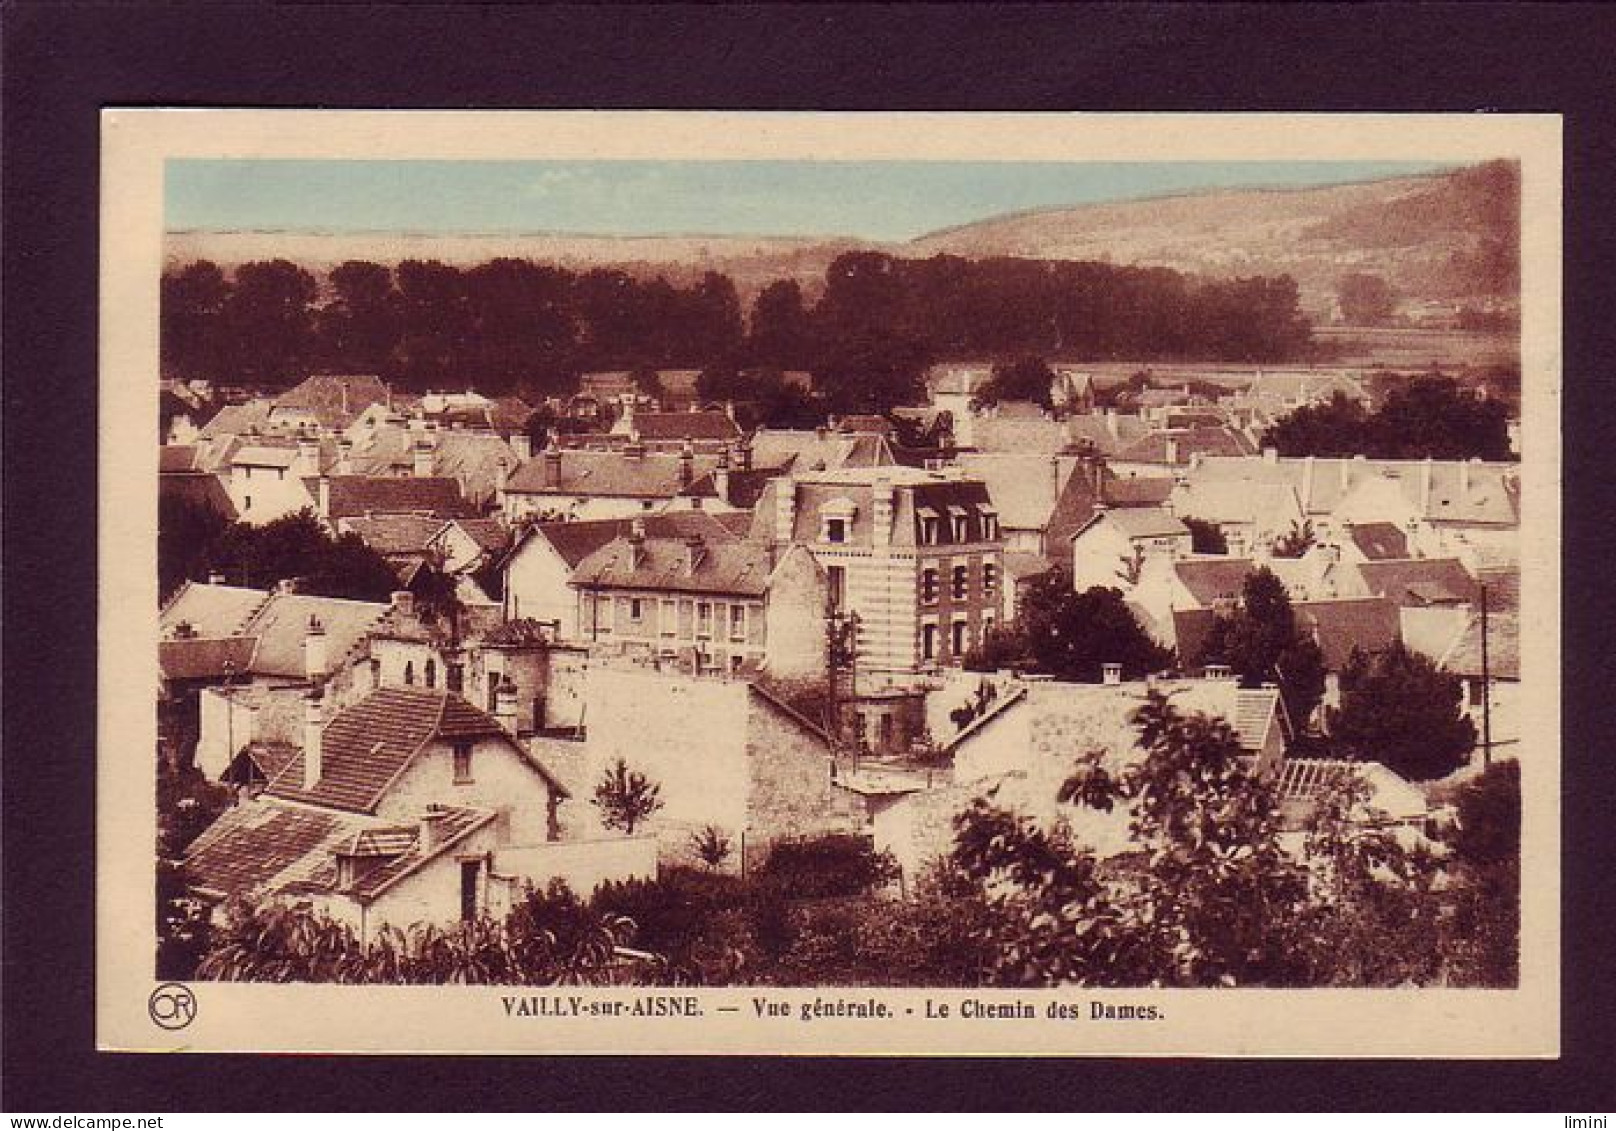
1437, 238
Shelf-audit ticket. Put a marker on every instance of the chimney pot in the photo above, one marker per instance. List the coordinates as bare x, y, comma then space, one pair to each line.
314, 650
403, 602
313, 725
431, 827
1111, 673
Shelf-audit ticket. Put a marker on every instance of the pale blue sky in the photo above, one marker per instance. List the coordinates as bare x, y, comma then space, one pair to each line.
876, 200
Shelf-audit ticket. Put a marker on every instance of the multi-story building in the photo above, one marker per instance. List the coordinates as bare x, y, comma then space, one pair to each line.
917, 555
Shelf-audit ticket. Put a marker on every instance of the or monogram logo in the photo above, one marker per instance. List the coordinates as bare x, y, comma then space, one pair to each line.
172, 1006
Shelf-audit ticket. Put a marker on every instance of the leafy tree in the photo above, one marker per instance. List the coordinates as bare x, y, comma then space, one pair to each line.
833, 864
1002, 647
649, 382
267, 321
626, 798
1339, 427
1422, 416
1206, 537
781, 334
1213, 901
292, 548
1296, 541
712, 846
1026, 379
1071, 635
1489, 810
188, 533
872, 372
1260, 642
193, 300
187, 803
359, 327
1366, 300
1399, 708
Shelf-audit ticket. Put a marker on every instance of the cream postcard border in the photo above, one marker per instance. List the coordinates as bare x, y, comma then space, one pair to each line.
1289, 1023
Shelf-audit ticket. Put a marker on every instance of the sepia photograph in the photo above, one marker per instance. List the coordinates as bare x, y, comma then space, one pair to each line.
821, 583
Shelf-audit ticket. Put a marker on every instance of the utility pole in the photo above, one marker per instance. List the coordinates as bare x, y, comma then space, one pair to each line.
1486, 689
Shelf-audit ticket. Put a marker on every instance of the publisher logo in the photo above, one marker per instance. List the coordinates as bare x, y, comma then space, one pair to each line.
172, 1006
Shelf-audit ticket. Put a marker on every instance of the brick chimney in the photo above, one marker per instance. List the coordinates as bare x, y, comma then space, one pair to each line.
785, 509
552, 469
421, 459
322, 498
430, 833
313, 725
687, 465
344, 457
1270, 455
1111, 674
636, 542
1172, 451
721, 476
625, 422
308, 456
882, 498
505, 705
314, 650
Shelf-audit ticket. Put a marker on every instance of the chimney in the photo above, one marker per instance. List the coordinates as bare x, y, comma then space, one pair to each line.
421, 459
721, 476
625, 422
402, 602
314, 650
323, 497
522, 445
1113, 426
695, 551
552, 469
308, 456
431, 830
313, 724
636, 542
505, 705
1172, 451
1270, 455
286, 586
1465, 469
1425, 486
1111, 674
344, 457
216, 578
1307, 484
881, 500
785, 509
687, 465
746, 456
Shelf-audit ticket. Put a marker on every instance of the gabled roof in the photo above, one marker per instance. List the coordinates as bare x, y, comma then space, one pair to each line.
1460, 491
1212, 579
1095, 430
619, 474
265, 848
489, 533
1139, 522
672, 426
237, 419
1379, 541
806, 450
663, 565
745, 487
356, 495
574, 541
1183, 443
1463, 656
1366, 624
396, 533
1024, 488
199, 488
212, 611
176, 458
205, 658
367, 746
282, 623
1419, 582
335, 401
1267, 505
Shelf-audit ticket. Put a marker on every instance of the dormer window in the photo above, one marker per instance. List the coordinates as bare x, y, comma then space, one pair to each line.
958, 520
990, 525
836, 520
930, 523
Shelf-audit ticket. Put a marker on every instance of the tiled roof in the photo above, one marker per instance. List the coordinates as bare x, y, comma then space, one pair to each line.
356, 495
1418, 582
805, 450
1138, 491
745, 487
1094, 429
666, 426
607, 474
176, 457
203, 658
200, 489
1379, 541
523, 632
211, 610
1143, 522
270, 757
575, 541
1024, 488
1269, 506
1017, 566
1012, 433
663, 564
236, 419
1187, 442
1212, 579
1367, 624
282, 623
396, 533
488, 533
265, 455
1463, 656
473, 460
1503, 587
334, 400
1475, 492
366, 746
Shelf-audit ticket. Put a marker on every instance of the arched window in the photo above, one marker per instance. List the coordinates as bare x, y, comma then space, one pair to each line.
409, 673
431, 673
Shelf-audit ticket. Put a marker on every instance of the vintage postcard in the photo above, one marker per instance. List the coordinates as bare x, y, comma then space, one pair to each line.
893, 584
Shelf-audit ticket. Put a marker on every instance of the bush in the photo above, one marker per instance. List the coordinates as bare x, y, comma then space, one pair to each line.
837, 864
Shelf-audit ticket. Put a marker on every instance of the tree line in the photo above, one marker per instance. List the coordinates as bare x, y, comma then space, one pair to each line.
519, 326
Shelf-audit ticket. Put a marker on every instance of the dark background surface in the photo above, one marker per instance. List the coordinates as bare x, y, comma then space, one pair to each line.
62, 63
